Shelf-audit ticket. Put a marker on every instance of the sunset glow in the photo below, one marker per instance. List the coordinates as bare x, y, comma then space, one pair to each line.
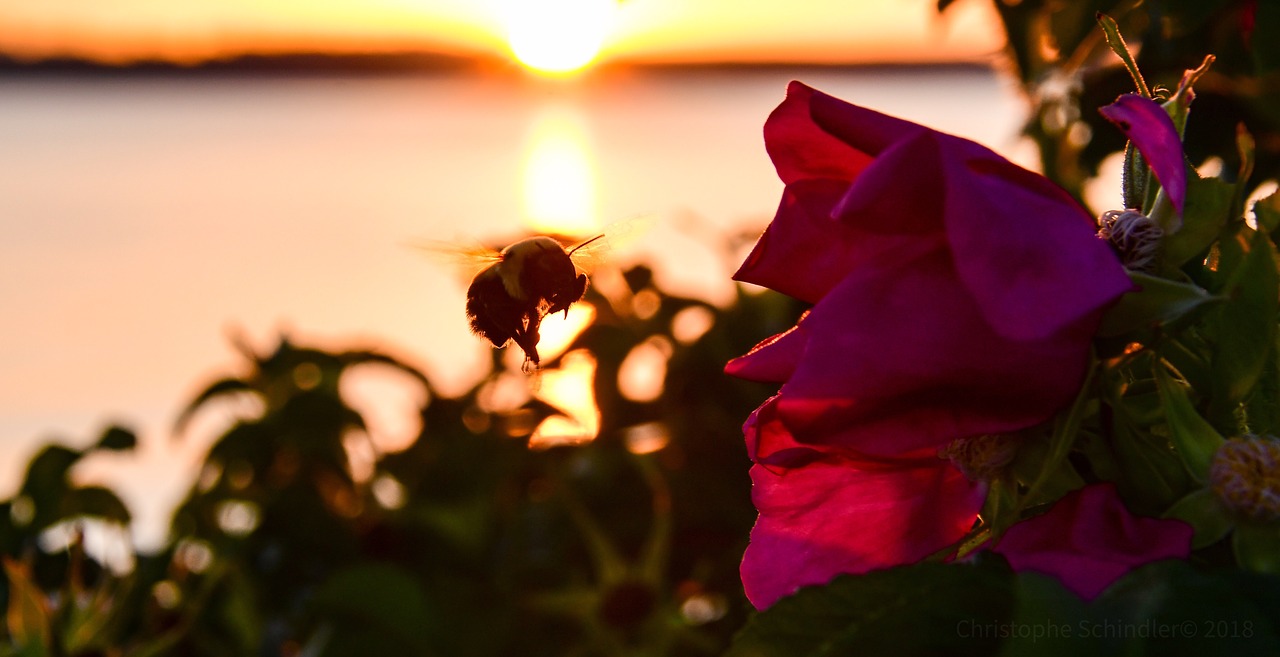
551, 36
557, 36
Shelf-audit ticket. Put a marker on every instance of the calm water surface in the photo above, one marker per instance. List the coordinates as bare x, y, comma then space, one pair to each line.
143, 221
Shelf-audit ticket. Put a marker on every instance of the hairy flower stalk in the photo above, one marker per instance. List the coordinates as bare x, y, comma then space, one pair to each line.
1134, 236
1245, 476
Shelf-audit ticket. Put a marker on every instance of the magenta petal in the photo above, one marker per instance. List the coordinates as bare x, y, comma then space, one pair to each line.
1089, 540
802, 150
1026, 251
897, 201
1151, 130
804, 252
770, 444
867, 130
773, 360
829, 518
900, 358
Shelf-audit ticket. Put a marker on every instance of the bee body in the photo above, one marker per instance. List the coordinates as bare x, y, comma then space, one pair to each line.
531, 279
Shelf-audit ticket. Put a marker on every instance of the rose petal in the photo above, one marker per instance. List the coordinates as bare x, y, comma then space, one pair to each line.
865, 129
830, 517
804, 252
773, 360
1152, 132
770, 444
1089, 540
900, 358
1025, 249
802, 150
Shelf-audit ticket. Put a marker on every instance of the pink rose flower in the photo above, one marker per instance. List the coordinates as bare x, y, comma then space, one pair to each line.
1088, 540
955, 295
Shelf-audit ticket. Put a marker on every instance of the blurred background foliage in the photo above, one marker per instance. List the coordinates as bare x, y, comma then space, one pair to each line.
300, 538
1061, 60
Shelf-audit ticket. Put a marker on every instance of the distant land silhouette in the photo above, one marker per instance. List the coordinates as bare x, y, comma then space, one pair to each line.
300, 63
394, 63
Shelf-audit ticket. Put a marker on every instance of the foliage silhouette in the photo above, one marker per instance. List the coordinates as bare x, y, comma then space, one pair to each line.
467, 542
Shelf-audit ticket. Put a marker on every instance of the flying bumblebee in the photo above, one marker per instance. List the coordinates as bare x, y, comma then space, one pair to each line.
517, 287
531, 279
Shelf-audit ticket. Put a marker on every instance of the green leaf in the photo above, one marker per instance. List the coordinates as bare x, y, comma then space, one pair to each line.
1171, 609
1245, 328
1208, 207
1195, 439
1266, 51
28, 616
1201, 510
1157, 303
1262, 408
1066, 428
95, 501
1153, 477
1118, 46
1039, 466
1046, 620
380, 605
47, 483
214, 390
118, 439
1267, 212
1257, 546
924, 609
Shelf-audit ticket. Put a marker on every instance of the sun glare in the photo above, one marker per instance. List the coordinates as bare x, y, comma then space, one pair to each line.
557, 36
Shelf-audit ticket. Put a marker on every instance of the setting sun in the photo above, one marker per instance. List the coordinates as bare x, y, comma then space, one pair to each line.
557, 36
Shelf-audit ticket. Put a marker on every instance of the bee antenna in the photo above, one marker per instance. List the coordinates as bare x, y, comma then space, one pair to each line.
585, 243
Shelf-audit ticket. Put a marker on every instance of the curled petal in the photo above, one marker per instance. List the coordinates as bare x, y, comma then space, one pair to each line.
867, 130
831, 517
1089, 540
1152, 132
802, 150
770, 444
772, 360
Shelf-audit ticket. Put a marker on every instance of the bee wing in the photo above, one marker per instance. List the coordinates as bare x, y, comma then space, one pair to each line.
592, 252
466, 260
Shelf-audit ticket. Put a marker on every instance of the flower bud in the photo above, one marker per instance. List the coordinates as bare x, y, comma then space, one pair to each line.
1134, 236
981, 458
1245, 476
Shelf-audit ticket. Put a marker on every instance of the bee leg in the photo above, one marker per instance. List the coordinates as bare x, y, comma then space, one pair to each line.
527, 338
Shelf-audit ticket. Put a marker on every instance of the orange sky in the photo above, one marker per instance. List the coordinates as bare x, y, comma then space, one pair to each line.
642, 30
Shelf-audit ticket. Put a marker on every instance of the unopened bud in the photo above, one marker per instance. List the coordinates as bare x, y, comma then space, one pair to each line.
1134, 236
1245, 476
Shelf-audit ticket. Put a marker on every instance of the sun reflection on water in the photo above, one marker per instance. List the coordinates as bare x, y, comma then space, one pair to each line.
558, 177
